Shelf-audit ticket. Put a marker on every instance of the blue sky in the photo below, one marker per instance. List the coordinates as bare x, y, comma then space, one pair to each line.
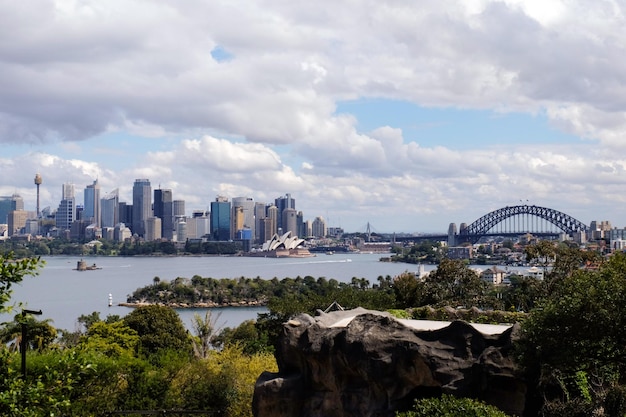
405, 116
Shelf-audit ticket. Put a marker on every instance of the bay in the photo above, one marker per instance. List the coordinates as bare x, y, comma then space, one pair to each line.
63, 294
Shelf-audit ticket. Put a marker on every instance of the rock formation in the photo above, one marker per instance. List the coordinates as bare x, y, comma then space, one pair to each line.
363, 363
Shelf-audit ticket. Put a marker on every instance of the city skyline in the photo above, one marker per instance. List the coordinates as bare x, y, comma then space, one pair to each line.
404, 116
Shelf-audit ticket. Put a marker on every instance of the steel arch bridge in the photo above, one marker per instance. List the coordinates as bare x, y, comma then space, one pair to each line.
482, 226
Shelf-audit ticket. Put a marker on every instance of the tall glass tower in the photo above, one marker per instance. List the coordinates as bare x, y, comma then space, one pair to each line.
220, 219
142, 205
164, 210
91, 211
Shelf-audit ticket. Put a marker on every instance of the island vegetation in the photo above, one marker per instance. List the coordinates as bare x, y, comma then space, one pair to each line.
572, 349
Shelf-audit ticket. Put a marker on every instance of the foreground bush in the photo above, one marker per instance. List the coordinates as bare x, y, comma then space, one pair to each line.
224, 381
449, 406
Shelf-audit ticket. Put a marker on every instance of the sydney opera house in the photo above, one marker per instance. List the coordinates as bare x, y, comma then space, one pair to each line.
285, 246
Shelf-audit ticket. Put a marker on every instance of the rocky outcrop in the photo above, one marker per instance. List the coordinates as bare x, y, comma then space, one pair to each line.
368, 364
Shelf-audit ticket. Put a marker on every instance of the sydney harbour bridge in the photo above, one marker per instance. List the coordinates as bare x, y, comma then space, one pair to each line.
511, 221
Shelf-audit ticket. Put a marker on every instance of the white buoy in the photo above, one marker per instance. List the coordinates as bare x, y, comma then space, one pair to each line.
110, 300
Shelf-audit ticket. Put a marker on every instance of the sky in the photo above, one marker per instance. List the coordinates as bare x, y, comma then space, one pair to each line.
404, 115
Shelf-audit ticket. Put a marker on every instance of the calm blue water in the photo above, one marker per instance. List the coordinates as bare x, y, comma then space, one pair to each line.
63, 294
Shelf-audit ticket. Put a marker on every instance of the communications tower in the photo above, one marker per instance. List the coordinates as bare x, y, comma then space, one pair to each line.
38, 182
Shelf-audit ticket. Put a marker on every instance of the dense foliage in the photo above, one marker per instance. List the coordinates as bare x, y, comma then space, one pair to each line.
449, 406
59, 246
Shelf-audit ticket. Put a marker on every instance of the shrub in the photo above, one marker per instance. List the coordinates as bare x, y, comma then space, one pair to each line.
449, 406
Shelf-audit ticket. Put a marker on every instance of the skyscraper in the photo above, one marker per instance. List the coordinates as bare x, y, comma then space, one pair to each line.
8, 204
91, 211
283, 203
247, 206
142, 205
110, 209
220, 219
164, 210
66, 213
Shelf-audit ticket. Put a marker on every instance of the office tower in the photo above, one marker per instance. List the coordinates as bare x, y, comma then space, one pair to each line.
66, 213
290, 221
179, 210
109, 206
164, 210
91, 211
318, 228
16, 221
220, 219
153, 229
181, 231
142, 206
260, 214
38, 181
247, 207
9, 204
300, 226
283, 203
237, 221
125, 212
272, 214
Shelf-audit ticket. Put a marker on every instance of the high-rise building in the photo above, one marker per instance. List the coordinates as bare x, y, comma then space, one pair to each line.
247, 206
283, 203
8, 204
91, 211
260, 214
125, 212
109, 206
16, 221
153, 228
290, 221
220, 219
179, 210
164, 210
272, 214
66, 213
318, 227
142, 206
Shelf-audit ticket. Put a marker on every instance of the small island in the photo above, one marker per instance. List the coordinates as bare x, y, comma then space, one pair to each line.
82, 266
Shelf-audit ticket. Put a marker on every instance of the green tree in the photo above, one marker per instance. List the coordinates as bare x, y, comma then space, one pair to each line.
578, 331
453, 282
13, 271
159, 327
111, 339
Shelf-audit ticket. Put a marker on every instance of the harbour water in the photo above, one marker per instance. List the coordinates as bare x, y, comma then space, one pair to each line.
63, 294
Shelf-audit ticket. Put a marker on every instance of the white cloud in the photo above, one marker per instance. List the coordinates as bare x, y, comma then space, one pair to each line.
263, 122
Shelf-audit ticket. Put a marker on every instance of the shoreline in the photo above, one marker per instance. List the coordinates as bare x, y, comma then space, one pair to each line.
242, 304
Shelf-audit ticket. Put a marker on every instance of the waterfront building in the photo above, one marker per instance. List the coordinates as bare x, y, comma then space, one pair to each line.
493, 275
109, 206
153, 229
318, 228
197, 227
121, 233
66, 213
142, 206
91, 210
164, 210
220, 219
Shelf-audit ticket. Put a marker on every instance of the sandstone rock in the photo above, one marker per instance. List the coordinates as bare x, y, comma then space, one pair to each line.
368, 364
